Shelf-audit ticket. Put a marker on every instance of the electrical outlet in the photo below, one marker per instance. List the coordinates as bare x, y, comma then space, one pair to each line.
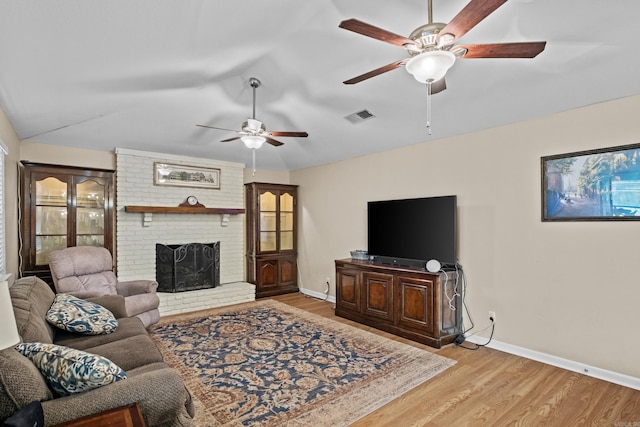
492, 315
328, 283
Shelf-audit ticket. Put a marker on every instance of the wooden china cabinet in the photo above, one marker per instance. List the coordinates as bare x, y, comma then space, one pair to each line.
271, 238
63, 206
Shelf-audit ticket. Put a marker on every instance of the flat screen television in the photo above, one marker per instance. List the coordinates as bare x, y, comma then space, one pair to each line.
410, 232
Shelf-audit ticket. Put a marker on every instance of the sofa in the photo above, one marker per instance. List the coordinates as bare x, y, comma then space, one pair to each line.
158, 388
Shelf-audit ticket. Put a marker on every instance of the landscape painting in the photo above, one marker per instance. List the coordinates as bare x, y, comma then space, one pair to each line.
185, 176
596, 185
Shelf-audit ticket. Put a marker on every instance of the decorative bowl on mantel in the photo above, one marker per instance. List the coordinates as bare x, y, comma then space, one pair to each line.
359, 255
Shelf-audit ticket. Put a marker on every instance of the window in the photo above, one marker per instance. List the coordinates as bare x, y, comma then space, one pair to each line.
3, 241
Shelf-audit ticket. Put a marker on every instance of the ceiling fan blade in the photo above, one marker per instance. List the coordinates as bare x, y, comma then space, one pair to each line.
230, 139
376, 72
296, 134
273, 142
474, 12
213, 127
439, 86
503, 50
374, 32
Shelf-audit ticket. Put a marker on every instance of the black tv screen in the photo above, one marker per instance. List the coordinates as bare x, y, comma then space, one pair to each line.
413, 229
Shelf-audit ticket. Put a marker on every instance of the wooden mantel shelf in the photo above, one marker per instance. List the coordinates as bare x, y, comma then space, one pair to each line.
183, 210
148, 212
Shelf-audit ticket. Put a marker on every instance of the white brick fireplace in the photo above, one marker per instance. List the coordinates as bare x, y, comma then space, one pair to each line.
138, 233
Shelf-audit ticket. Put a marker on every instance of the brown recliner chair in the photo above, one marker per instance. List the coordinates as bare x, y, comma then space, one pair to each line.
87, 271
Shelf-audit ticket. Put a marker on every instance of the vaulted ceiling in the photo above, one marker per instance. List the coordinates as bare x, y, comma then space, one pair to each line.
141, 74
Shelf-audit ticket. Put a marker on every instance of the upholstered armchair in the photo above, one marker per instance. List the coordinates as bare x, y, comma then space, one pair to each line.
87, 271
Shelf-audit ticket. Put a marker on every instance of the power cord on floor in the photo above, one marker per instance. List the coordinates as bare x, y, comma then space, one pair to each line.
460, 343
462, 338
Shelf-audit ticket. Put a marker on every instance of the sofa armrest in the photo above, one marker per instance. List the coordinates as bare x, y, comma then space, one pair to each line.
113, 303
136, 287
161, 393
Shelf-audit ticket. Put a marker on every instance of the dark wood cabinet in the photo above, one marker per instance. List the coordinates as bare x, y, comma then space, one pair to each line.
271, 235
415, 304
63, 206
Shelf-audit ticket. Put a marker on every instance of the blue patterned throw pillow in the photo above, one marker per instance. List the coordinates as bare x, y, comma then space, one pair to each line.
69, 371
77, 315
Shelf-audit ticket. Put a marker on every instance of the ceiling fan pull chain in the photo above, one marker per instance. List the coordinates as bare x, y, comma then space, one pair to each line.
253, 158
429, 107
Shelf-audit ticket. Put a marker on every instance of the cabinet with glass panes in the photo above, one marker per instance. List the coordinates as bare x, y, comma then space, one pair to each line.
271, 238
63, 206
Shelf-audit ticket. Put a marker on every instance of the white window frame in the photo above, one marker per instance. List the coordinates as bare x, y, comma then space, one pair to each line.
3, 240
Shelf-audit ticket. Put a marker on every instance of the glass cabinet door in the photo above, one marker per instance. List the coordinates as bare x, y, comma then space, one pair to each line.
268, 219
50, 218
286, 222
270, 237
62, 206
90, 213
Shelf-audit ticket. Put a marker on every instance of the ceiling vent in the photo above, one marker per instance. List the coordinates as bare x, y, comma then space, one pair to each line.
359, 116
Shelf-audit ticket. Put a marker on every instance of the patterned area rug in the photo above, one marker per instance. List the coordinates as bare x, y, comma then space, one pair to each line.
266, 363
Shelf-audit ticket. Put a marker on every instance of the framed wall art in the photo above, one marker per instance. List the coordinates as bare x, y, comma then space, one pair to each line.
185, 176
596, 185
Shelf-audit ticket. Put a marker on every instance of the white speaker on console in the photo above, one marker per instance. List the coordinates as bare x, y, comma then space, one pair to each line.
433, 266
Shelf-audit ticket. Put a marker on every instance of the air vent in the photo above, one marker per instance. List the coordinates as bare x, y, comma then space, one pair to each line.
359, 116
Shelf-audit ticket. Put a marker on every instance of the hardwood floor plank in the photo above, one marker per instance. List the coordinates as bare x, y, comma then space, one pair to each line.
487, 387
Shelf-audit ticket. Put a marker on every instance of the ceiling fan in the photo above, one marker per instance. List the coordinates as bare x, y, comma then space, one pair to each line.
253, 132
431, 47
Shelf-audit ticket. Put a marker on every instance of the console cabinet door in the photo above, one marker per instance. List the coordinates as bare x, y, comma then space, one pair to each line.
378, 295
267, 277
415, 303
287, 271
347, 289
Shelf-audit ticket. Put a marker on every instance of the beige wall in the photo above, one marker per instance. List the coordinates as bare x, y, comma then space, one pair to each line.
67, 156
566, 289
8, 135
263, 175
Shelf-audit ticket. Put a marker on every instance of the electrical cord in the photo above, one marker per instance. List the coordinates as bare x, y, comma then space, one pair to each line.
450, 300
478, 346
462, 337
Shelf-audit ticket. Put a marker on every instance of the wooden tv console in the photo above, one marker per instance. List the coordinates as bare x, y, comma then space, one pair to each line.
410, 303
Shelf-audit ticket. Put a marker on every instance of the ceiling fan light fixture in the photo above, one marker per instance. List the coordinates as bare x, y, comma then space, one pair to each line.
253, 141
254, 125
430, 66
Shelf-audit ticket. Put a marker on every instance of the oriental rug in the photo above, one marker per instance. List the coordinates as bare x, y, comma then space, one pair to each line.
266, 363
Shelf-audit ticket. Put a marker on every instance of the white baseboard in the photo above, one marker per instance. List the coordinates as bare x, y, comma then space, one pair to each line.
570, 365
318, 295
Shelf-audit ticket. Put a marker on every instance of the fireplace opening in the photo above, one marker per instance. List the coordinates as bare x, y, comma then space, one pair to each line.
187, 267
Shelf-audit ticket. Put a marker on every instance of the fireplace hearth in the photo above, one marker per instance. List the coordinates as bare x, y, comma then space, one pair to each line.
187, 267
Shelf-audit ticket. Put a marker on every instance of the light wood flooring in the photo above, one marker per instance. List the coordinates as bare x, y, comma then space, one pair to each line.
487, 387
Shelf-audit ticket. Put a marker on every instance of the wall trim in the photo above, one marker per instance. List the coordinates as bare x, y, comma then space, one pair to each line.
318, 295
559, 362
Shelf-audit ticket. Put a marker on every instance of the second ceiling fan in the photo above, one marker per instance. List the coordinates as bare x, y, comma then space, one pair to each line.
253, 132
431, 47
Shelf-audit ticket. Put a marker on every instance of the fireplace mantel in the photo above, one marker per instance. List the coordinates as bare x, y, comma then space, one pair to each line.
149, 210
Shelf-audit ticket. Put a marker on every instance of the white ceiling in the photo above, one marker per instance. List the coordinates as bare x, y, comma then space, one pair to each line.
140, 74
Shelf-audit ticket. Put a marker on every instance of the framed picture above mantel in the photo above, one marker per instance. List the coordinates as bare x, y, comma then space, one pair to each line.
186, 176
594, 185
